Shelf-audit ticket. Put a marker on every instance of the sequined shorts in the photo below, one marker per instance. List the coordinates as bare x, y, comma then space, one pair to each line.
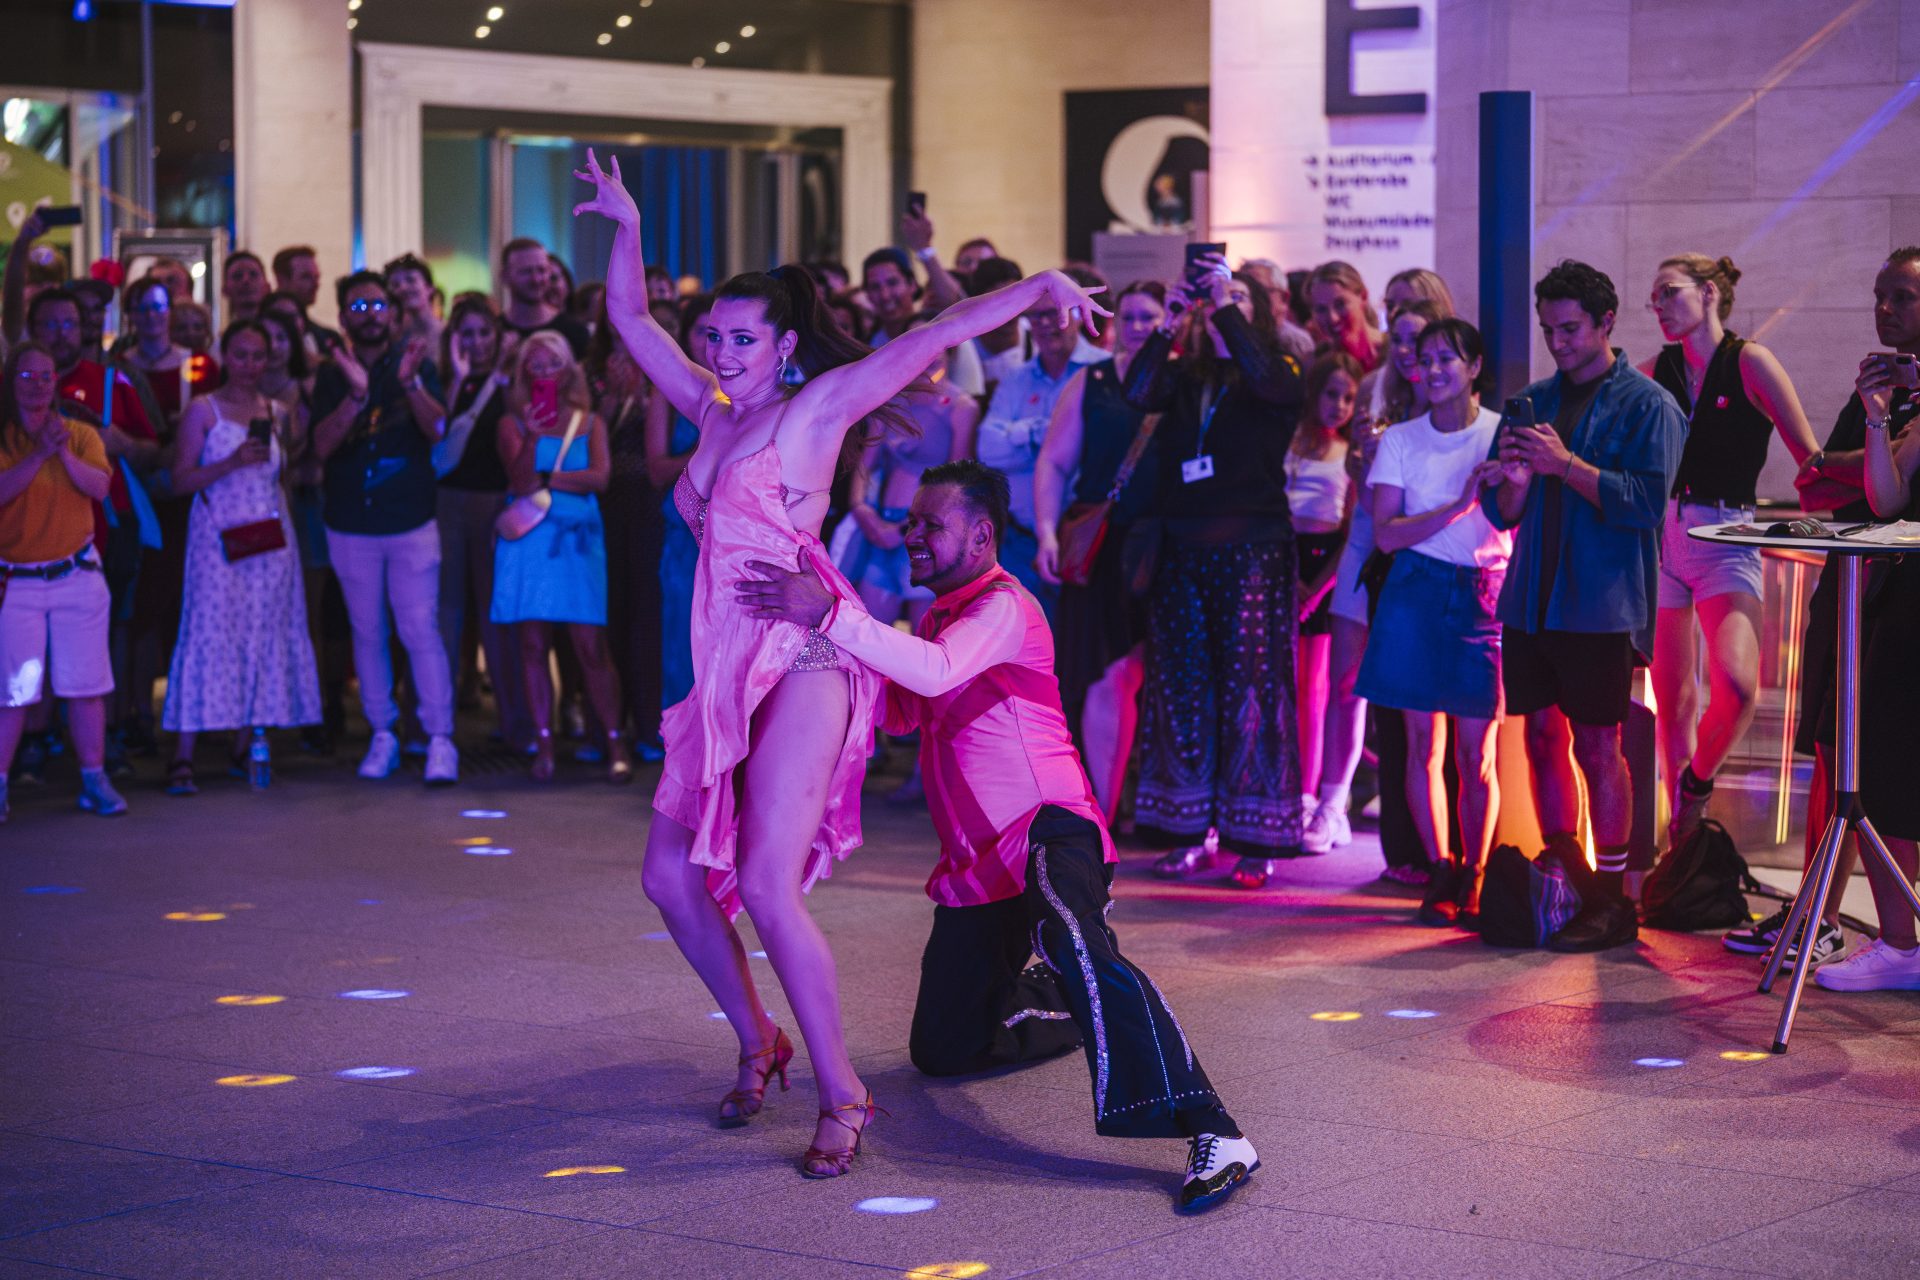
817, 654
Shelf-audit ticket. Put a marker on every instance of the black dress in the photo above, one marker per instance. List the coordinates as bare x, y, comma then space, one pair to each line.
1095, 625
636, 535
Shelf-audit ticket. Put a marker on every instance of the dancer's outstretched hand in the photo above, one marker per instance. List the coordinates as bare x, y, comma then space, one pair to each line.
785, 595
1075, 301
610, 194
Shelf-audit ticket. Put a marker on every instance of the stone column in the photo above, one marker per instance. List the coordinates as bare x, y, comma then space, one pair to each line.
293, 133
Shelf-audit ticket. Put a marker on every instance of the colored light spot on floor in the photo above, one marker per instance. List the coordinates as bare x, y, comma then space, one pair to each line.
53, 889
483, 813
489, 851
758, 955
196, 917
896, 1204
374, 1073
1745, 1055
369, 902
374, 993
718, 1016
948, 1271
574, 1170
660, 935
248, 1001
473, 840
253, 1082
1335, 1016
1660, 1064
1412, 1013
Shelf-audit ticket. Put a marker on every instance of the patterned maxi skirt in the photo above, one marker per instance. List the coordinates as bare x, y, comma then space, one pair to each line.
1217, 729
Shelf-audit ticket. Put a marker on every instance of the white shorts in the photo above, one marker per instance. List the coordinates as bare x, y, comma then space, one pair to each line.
59, 625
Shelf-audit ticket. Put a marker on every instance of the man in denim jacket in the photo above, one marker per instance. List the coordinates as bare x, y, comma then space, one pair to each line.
1585, 489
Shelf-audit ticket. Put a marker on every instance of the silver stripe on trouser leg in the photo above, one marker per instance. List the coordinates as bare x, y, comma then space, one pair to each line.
1039, 854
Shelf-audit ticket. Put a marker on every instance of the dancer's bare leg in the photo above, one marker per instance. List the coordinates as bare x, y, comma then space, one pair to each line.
678, 887
798, 733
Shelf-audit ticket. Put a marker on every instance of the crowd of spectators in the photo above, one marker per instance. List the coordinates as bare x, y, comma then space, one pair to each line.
1316, 536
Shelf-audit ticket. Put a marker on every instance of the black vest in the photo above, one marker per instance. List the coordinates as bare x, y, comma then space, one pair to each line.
1727, 434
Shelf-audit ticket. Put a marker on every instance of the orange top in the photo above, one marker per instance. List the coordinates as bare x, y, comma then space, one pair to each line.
51, 520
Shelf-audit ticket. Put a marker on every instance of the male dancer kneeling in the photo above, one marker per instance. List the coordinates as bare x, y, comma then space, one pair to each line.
1025, 858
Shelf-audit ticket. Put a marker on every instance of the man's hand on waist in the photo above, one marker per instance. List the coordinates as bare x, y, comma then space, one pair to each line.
786, 595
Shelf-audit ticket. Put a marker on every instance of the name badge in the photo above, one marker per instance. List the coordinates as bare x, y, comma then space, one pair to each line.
1200, 468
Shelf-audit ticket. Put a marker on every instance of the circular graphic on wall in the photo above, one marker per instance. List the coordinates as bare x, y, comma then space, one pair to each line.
1147, 173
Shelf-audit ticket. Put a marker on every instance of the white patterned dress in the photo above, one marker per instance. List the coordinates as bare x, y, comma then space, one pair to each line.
244, 657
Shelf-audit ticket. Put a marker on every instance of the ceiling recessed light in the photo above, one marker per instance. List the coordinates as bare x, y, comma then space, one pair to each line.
646, 4
605, 37
352, 23
353, 6
747, 32
482, 32
496, 13
624, 20
722, 47
699, 62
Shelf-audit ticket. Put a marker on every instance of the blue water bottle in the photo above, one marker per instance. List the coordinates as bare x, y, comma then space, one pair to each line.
260, 766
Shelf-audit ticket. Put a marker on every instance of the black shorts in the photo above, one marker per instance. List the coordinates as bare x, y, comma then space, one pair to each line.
1588, 675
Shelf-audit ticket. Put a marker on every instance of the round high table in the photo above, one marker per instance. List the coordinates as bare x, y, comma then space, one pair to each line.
1848, 815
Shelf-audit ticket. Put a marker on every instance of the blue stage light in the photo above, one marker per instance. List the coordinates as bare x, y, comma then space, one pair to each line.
1659, 1063
896, 1204
374, 993
483, 813
53, 888
374, 1073
1412, 1013
489, 851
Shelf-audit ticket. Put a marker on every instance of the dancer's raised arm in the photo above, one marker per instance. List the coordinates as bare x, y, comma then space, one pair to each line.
688, 387
842, 396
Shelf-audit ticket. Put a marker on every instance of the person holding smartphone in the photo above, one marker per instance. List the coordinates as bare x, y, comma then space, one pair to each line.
1736, 397
243, 658
1219, 755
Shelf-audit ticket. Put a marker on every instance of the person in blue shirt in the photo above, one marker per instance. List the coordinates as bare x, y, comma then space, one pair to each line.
1585, 491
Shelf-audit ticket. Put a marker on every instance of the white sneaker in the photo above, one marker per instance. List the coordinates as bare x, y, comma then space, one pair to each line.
1316, 834
1873, 966
1342, 828
383, 756
443, 762
1216, 1166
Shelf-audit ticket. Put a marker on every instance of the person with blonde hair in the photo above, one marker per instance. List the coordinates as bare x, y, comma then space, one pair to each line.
556, 573
1736, 397
1343, 314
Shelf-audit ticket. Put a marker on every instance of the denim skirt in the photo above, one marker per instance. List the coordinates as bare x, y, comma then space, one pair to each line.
1435, 645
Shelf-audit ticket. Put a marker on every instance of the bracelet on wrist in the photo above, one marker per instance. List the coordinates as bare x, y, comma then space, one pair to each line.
1877, 424
1566, 472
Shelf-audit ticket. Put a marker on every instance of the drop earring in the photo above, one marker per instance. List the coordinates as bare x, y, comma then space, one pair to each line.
783, 367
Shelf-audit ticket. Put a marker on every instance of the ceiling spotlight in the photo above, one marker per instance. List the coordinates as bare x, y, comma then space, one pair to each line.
646, 4
624, 20
353, 6
496, 13
722, 47
482, 32
605, 37
699, 62
352, 23
746, 32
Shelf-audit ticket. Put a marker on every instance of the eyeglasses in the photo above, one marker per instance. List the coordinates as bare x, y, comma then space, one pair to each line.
28, 375
361, 306
1667, 293
150, 308
59, 326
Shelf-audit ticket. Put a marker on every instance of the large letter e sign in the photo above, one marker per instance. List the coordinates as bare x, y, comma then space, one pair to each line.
1344, 21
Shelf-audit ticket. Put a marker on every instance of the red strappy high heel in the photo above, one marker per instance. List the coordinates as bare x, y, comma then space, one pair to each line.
817, 1163
746, 1103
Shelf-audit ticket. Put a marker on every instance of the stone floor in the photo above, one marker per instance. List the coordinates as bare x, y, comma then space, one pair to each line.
342, 1029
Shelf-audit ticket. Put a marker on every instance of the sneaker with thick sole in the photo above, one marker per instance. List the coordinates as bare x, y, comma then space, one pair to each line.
382, 758
1322, 830
1217, 1166
443, 762
1828, 943
1873, 966
1601, 924
1757, 938
98, 796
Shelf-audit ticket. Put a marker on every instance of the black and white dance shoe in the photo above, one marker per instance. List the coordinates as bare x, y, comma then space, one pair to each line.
1216, 1168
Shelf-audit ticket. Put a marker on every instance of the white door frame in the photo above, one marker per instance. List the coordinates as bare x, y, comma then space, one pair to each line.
398, 81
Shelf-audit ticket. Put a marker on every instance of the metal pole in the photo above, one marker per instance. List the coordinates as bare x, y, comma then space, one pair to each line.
148, 198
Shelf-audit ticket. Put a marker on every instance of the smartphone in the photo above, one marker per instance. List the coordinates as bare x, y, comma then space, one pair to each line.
61, 215
917, 203
260, 430
543, 401
1518, 413
1196, 271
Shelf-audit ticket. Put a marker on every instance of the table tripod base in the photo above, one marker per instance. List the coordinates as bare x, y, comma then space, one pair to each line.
1810, 904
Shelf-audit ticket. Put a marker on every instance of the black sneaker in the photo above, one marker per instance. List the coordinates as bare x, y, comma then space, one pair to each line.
1216, 1168
1828, 942
1757, 939
1602, 923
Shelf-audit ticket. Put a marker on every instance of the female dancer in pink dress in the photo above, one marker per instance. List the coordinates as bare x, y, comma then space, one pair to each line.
761, 788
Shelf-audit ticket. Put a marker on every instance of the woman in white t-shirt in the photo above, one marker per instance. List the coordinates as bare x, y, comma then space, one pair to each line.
1434, 650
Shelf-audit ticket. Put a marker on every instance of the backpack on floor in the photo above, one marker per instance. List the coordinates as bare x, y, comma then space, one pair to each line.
1523, 901
1701, 884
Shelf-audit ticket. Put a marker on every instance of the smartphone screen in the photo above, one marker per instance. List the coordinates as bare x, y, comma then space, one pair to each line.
544, 401
1195, 272
917, 203
61, 215
260, 430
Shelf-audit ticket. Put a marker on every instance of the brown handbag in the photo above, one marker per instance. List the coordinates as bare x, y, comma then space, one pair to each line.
1083, 528
252, 538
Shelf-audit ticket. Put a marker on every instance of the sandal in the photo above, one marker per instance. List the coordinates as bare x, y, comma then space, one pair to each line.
747, 1103
1253, 873
820, 1163
620, 760
180, 779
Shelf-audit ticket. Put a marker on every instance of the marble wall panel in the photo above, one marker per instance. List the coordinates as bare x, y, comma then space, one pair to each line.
1628, 148
1595, 234
1810, 253
1684, 45
1568, 48
1858, 141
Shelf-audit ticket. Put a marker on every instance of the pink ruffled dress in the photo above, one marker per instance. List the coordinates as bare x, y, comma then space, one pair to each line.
737, 660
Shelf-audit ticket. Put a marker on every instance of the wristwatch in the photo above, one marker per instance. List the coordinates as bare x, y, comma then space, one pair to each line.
927, 254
